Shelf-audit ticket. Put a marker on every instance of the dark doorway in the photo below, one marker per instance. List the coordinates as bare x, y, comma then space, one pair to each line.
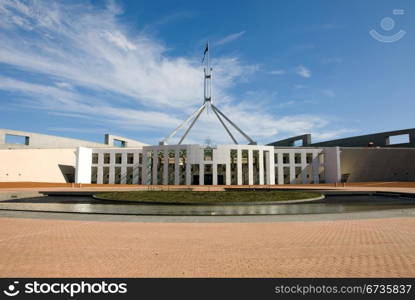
68, 172
208, 179
195, 180
221, 180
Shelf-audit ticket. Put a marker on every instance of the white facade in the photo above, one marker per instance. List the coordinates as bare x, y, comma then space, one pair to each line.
200, 165
83, 158
37, 160
37, 165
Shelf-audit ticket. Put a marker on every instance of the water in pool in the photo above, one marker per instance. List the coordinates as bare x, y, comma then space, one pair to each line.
85, 204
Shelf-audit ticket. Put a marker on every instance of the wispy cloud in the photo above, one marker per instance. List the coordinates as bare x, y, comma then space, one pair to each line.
277, 72
230, 38
94, 68
303, 71
78, 130
64, 85
328, 92
332, 60
299, 86
327, 135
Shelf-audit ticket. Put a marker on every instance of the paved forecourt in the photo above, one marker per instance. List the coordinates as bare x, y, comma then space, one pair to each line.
332, 248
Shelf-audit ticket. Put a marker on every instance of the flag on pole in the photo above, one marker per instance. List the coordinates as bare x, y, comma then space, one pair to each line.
206, 51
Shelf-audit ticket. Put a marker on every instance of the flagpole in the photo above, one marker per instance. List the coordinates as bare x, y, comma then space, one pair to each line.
207, 101
207, 59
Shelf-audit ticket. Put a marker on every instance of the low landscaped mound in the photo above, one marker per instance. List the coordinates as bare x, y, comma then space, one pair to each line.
187, 197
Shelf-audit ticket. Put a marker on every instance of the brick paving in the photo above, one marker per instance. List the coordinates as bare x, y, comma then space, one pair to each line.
340, 248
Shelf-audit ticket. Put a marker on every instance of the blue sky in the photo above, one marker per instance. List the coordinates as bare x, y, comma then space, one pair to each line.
133, 68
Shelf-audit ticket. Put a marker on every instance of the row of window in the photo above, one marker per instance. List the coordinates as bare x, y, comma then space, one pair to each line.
297, 158
118, 158
208, 156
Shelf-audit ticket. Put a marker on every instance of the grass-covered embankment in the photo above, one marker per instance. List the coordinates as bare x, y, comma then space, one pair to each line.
187, 197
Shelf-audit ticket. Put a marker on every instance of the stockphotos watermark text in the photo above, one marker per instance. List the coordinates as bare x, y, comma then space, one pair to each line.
70, 289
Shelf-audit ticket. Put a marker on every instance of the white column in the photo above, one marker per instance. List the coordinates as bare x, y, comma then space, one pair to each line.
228, 168
250, 167
100, 171
239, 166
165, 167
315, 167
201, 174
83, 165
176, 167
188, 170
292, 167
215, 174
111, 174
111, 177
100, 174
332, 169
100, 158
135, 158
124, 174
261, 167
280, 169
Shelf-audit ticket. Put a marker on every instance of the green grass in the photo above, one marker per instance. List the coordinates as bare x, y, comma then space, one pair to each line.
187, 197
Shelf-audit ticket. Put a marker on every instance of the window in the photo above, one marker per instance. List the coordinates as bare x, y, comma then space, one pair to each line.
309, 158
195, 174
94, 174
397, 139
286, 158
244, 156
208, 154
140, 158
245, 163
171, 167
221, 169
182, 166
286, 173
208, 169
106, 175
140, 176
255, 161
16, 139
118, 143
118, 158
117, 175
297, 158
297, 172
106, 158
234, 166
130, 158
149, 170
94, 158
129, 175
233, 157
299, 143
275, 158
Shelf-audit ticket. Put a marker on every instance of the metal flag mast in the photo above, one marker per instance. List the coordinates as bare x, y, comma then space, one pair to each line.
207, 102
